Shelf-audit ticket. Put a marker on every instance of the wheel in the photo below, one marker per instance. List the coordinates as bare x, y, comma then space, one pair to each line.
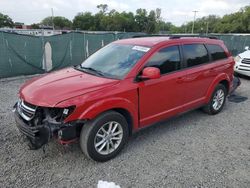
217, 100
104, 137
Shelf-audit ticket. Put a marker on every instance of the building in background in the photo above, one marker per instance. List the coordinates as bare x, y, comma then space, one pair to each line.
21, 28
33, 32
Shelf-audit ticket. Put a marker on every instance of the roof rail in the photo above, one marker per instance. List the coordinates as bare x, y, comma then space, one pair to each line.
199, 36
153, 35
175, 36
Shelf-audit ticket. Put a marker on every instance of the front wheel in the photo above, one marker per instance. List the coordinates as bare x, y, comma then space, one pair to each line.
217, 100
104, 137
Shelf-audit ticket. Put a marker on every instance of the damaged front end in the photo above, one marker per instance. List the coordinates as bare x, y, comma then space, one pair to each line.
40, 124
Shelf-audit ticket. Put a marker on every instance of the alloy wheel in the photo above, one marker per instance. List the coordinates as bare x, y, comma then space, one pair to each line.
108, 138
218, 99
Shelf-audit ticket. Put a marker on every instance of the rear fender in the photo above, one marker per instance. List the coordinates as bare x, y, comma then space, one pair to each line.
215, 82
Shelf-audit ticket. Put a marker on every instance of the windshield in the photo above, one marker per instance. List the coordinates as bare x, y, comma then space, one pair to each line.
114, 60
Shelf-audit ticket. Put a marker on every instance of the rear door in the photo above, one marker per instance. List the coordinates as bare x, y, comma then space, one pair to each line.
199, 74
163, 97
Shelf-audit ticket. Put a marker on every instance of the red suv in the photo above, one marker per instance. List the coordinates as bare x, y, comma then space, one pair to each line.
123, 87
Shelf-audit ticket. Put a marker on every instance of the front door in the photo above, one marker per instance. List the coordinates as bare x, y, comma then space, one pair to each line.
163, 97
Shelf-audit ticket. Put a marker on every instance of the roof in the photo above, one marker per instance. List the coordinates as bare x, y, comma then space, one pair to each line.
152, 41
143, 41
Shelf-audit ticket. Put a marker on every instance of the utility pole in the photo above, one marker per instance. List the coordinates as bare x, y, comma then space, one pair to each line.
207, 27
185, 27
195, 11
53, 26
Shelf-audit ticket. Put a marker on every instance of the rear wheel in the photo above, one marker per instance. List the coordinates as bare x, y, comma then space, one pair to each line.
217, 100
104, 137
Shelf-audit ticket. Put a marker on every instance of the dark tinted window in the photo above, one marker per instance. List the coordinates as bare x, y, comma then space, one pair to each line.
195, 54
167, 60
216, 52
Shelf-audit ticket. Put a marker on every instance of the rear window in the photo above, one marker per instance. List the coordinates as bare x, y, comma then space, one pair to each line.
195, 54
216, 51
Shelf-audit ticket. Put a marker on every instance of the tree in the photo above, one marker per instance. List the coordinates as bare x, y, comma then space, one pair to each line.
35, 26
158, 15
103, 8
238, 22
84, 21
5, 21
115, 21
149, 23
141, 19
152, 22
246, 19
59, 22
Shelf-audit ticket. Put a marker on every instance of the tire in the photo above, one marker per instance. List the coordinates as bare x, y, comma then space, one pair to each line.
237, 75
211, 108
94, 136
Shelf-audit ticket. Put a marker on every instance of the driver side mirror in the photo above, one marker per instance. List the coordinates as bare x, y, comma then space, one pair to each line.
247, 48
150, 73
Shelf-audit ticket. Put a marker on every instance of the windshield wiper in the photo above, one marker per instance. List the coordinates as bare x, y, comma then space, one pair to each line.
100, 73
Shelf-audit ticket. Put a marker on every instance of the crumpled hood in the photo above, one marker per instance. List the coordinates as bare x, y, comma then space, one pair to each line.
58, 86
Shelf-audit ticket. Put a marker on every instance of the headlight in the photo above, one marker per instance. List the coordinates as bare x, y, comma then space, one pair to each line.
237, 58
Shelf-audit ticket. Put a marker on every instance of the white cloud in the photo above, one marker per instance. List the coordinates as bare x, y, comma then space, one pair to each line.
177, 11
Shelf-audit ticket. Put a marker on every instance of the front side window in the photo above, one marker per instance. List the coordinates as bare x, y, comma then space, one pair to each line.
114, 60
216, 52
195, 54
167, 60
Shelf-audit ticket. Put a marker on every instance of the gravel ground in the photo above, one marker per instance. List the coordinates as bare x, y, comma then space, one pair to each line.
193, 150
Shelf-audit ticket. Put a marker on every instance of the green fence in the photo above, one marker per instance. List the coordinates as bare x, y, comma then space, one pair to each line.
24, 55
20, 55
73, 48
235, 43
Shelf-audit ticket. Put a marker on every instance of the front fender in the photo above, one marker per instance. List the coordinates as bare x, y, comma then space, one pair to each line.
108, 104
215, 82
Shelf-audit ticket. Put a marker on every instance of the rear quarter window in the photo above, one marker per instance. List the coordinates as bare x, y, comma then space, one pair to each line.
216, 51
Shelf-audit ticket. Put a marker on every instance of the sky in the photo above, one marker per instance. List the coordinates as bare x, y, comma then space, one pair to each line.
175, 11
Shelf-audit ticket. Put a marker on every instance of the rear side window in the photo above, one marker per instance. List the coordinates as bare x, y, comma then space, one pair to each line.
196, 54
167, 60
216, 52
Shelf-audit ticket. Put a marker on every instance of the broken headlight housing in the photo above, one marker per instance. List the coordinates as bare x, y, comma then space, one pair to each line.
52, 115
60, 114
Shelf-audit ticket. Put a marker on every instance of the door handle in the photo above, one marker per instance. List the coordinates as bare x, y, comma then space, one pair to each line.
211, 70
208, 72
180, 80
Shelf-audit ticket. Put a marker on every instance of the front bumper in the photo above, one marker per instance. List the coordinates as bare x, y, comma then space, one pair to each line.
31, 132
39, 135
242, 68
243, 72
